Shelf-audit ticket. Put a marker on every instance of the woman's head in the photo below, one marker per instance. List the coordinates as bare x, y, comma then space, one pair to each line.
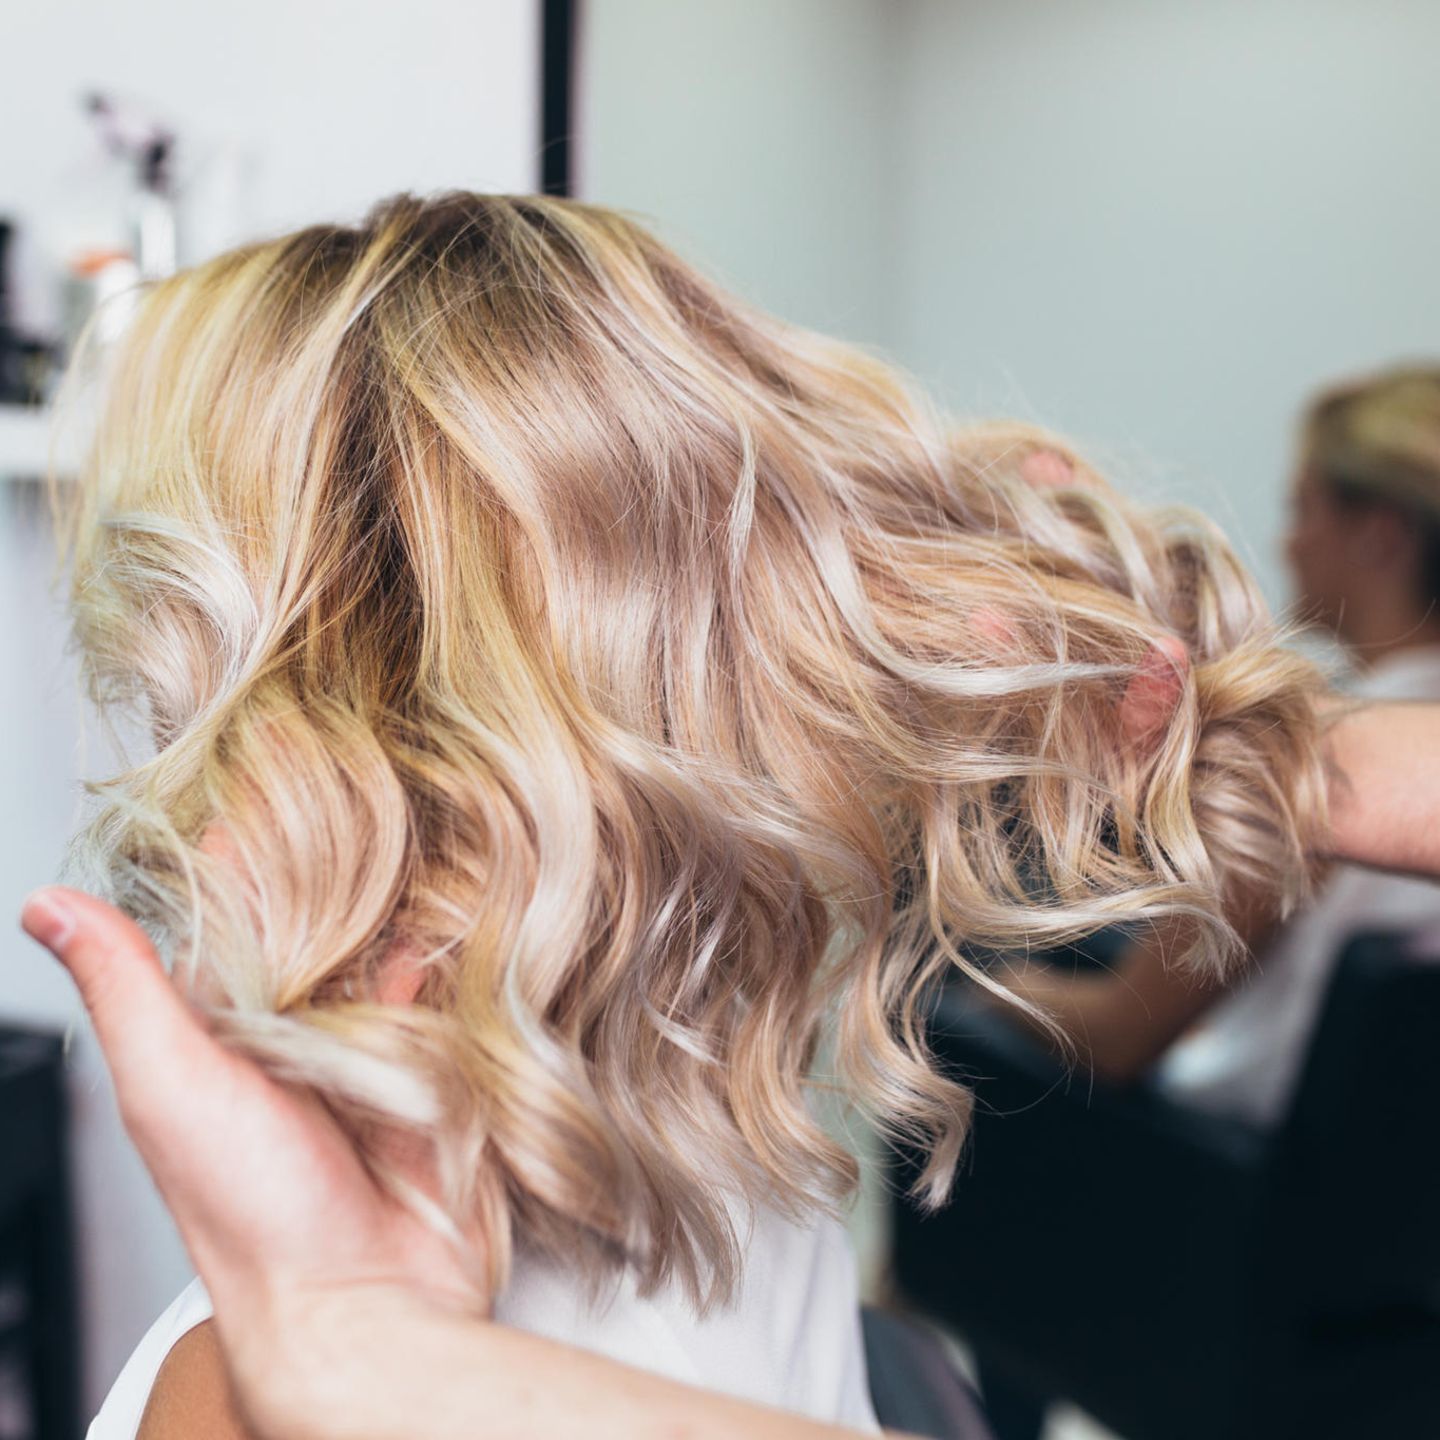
658, 686
1364, 541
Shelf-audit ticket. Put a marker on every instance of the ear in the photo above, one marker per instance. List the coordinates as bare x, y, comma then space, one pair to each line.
1383, 537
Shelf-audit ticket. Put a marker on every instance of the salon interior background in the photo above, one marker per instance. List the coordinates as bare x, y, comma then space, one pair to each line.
1156, 226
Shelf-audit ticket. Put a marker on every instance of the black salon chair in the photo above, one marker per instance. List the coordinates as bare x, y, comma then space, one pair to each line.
1184, 1277
39, 1319
914, 1383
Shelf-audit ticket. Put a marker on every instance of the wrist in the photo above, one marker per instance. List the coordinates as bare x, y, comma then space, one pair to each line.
360, 1362
1384, 787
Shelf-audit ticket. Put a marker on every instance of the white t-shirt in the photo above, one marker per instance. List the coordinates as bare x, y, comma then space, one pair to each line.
1245, 1057
791, 1337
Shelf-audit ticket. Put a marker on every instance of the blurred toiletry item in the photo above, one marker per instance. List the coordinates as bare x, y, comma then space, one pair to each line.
148, 146
102, 283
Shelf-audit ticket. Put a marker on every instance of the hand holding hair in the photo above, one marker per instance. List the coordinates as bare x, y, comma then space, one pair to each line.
284, 1224
1384, 786
338, 1312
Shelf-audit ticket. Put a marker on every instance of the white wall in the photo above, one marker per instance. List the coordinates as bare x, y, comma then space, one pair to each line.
288, 111
1160, 225
328, 105
131, 1261
755, 136
1156, 226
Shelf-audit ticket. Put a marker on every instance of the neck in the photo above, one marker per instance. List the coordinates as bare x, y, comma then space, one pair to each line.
1377, 633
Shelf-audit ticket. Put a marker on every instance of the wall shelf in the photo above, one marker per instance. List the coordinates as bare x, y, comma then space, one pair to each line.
24, 442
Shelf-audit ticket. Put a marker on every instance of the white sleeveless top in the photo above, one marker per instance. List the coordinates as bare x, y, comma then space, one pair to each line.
791, 1337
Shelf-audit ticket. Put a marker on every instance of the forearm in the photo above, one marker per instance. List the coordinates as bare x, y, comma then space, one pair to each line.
1093, 1012
598, 1399
1120, 1020
1385, 788
388, 1370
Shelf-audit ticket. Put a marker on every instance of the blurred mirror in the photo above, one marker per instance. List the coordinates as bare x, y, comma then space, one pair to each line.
1163, 230
1158, 228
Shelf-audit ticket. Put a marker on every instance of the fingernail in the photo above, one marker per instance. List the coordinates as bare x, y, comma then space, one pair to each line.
46, 919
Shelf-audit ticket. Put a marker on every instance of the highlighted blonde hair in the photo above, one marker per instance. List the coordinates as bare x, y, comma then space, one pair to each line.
641, 688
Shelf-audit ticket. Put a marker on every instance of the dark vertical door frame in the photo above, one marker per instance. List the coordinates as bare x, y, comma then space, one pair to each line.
558, 19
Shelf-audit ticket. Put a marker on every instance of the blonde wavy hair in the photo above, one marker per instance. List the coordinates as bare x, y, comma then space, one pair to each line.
577, 693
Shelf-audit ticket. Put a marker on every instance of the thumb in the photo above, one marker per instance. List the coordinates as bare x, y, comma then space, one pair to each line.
148, 1034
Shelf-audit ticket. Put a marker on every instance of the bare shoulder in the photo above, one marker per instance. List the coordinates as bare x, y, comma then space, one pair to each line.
192, 1396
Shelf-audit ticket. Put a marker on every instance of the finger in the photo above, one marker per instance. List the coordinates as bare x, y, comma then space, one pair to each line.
1047, 470
147, 1032
1155, 689
194, 1110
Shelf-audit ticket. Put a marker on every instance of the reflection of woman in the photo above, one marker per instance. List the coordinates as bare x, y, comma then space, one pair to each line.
576, 693
1364, 548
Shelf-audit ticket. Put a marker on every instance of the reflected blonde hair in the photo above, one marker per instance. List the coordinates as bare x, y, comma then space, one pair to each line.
1376, 441
658, 686
1380, 437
